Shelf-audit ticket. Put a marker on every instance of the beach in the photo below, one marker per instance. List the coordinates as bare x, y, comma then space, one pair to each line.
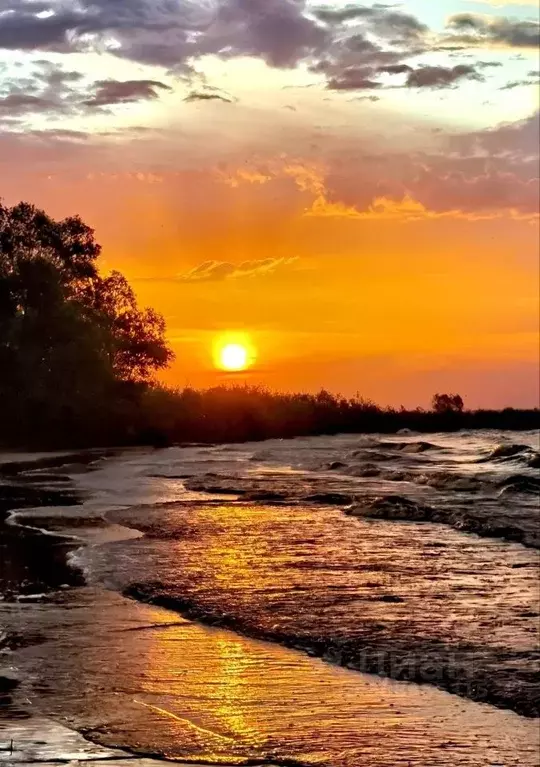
312, 601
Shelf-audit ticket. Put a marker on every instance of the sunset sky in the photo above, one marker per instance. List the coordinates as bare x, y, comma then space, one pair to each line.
351, 187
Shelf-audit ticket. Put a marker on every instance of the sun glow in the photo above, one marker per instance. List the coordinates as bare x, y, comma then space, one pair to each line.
234, 357
233, 353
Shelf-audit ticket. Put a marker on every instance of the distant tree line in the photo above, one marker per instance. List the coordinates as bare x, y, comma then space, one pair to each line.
78, 358
224, 414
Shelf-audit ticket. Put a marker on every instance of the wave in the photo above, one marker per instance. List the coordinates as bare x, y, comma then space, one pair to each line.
439, 480
534, 460
418, 447
465, 670
14, 496
365, 471
214, 484
371, 454
467, 503
520, 483
386, 450
332, 499
445, 480
335, 466
394, 507
83, 459
495, 525
506, 453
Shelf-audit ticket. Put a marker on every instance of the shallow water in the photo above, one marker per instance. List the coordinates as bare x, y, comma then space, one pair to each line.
410, 599
139, 677
413, 600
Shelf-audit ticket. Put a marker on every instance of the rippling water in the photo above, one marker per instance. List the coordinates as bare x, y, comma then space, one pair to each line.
327, 545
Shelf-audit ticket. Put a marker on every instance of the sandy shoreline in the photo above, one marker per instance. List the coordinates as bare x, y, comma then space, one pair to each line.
33, 739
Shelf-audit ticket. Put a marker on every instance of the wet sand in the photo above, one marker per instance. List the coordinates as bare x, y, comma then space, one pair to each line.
31, 563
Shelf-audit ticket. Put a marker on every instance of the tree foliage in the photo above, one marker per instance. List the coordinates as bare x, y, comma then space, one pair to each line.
447, 403
73, 343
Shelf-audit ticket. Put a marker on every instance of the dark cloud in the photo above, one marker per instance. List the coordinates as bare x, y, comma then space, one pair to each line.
205, 96
174, 33
22, 29
169, 32
515, 33
367, 98
110, 92
355, 52
278, 31
361, 78
19, 103
46, 89
351, 46
53, 79
352, 79
358, 44
510, 140
355, 63
341, 15
397, 25
467, 22
380, 19
395, 69
518, 84
488, 64
367, 42
53, 92
440, 77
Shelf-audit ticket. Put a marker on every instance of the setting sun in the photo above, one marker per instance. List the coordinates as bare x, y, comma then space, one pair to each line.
233, 352
234, 357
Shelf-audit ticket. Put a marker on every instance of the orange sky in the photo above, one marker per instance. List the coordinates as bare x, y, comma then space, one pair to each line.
380, 239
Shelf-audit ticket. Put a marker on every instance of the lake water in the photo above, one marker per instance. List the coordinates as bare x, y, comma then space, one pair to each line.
309, 601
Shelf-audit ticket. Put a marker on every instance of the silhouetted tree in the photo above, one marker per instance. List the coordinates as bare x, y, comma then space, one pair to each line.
134, 337
447, 403
70, 339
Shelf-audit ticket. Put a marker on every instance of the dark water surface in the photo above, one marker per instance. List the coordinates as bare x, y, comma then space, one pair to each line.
327, 545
